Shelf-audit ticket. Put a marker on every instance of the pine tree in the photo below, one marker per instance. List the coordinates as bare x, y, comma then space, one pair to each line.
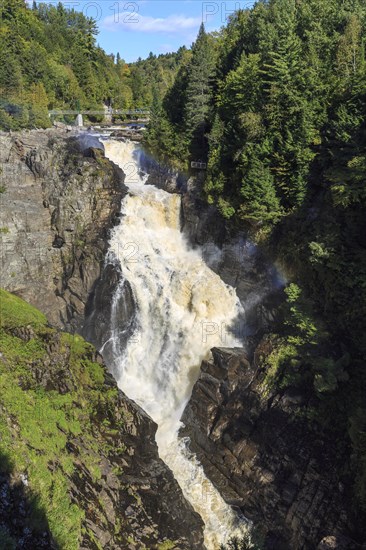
175, 99
10, 9
290, 118
10, 71
199, 92
259, 202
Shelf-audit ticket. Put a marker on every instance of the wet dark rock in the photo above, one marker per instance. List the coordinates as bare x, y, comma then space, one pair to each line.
265, 457
110, 313
58, 242
201, 222
87, 143
62, 197
132, 133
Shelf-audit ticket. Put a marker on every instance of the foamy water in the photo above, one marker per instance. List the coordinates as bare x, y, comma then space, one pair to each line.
183, 310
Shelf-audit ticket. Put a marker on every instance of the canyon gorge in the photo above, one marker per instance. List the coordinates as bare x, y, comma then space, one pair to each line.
114, 249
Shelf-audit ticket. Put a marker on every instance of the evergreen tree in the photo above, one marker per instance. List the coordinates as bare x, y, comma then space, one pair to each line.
199, 92
53, 48
160, 136
350, 55
290, 118
259, 202
11, 9
175, 99
10, 72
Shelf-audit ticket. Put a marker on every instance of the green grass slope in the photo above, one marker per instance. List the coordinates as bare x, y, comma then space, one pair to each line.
51, 390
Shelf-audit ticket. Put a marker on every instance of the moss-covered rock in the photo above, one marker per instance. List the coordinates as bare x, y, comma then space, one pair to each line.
78, 458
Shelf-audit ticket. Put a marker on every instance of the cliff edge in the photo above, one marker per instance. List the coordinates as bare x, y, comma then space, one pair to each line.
59, 198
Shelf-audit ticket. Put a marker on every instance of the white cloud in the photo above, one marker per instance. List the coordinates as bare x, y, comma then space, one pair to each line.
135, 22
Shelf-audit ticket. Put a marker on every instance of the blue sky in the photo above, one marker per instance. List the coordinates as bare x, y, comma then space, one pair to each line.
135, 28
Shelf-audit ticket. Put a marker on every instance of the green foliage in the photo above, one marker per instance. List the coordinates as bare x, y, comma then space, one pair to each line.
185, 112
287, 75
198, 93
49, 59
167, 545
38, 106
259, 202
37, 424
248, 541
225, 208
302, 355
6, 121
160, 135
14, 312
281, 364
298, 317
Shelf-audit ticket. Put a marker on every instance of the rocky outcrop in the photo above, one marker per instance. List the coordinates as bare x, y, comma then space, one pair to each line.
265, 457
136, 490
60, 198
133, 132
77, 450
110, 314
162, 176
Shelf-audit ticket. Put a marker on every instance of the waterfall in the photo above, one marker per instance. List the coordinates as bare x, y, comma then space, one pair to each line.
183, 310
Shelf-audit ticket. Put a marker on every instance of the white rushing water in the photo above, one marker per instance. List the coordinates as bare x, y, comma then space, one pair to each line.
183, 310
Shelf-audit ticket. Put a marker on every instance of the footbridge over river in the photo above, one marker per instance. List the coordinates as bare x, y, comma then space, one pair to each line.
107, 114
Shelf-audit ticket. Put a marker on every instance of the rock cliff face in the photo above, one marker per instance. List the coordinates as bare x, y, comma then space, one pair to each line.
77, 449
259, 450
111, 297
60, 197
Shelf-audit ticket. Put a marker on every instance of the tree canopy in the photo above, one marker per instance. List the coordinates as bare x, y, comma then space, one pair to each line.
281, 103
49, 59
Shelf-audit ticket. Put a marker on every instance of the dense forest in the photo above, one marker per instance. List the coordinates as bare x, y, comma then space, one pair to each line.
275, 104
49, 59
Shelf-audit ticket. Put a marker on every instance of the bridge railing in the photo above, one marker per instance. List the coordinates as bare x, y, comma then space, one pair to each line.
56, 112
